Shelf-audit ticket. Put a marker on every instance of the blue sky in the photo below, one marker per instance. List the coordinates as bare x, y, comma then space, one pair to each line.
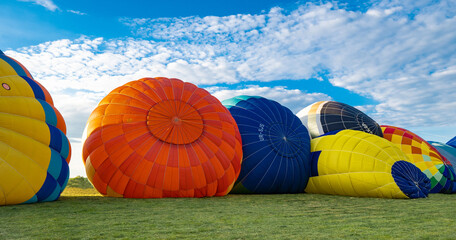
395, 60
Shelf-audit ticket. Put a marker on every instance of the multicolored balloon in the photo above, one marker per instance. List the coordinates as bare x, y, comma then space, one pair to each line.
34, 150
327, 116
424, 156
160, 137
355, 163
276, 147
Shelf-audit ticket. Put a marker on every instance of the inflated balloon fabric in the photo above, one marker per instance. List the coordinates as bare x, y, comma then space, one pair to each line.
424, 156
276, 147
452, 142
160, 137
355, 163
34, 150
447, 151
327, 116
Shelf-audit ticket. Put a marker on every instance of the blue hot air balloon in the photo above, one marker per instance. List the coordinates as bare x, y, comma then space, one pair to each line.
446, 150
452, 142
276, 147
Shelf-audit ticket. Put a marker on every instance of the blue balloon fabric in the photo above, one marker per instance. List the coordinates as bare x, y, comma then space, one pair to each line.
452, 142
449, 153
276, 147
446, 150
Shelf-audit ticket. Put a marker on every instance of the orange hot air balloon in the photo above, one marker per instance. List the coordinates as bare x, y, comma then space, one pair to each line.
160, 137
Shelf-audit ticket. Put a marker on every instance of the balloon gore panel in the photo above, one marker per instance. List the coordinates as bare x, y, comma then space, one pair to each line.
452, 142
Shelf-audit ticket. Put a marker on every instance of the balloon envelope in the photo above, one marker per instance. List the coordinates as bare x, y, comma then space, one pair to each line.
327, 116
34, 150
355, 163
447, 151
160, 137
276, 147
452, 142
424, 156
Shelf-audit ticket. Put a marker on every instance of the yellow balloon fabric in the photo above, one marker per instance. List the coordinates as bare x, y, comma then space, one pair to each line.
34, 151
355, 163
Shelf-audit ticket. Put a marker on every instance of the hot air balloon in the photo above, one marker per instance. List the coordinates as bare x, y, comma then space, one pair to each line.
327, 116
355, 163
276, 147
34, 150
160, 137
445, 150
452, 142
424, 156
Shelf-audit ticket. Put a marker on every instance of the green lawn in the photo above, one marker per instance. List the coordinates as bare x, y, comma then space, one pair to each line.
82, 213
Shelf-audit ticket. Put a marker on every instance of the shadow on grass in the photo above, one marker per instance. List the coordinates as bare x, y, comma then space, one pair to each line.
83, 198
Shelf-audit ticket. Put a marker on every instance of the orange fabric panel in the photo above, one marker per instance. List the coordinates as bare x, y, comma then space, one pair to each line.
211, 189
119, 182
97, 157
156, 88
188, 92
199, 177
192, 155
106, 170
185, 178
173, 156
142, 172
223, 159
163, 155
143, 147
171, 180
150, 192
91, 143
209, 172
178, 89
167, 88
99, 184
203, 155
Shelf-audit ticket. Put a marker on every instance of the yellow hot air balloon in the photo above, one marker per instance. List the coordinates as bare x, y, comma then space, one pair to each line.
355, 163
34, 151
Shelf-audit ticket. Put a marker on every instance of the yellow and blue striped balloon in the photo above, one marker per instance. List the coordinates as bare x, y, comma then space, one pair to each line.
34, 150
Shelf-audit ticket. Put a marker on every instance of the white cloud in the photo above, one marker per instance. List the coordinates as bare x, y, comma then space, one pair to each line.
399, 53
48, 4
294, 99
77, 12
404, 63
76, 164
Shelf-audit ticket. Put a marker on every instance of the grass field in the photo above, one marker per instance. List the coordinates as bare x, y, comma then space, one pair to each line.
81, 213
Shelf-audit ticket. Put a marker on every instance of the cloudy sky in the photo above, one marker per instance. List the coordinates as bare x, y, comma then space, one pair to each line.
395, 60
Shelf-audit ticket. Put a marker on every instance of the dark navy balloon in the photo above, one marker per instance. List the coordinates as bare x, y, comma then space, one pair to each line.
327, 116
276, 147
